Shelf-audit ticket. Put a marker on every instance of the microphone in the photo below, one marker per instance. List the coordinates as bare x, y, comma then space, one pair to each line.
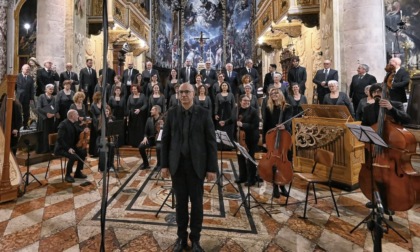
378, 201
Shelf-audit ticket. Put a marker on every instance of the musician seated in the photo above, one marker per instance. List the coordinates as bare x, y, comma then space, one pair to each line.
151, 133
394, 109
68, 136
248, 123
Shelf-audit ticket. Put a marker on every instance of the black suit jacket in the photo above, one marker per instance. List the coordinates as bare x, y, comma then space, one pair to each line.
88, 81
208, 79
66, 76
298, 75
400, 83
193, 74
110, 75
268, 79
43, 78
125, 76
250, 124
357, 88
68, 134
255, 77
320, 77
233, 80
202, 140
25, 89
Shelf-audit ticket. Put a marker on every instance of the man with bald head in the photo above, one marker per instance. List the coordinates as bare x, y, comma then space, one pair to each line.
69, 75
68, 136
321, 80
25, 92
189, 154
400, 82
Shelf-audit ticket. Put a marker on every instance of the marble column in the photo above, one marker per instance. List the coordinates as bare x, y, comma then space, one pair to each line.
51, 32
3, 38
360, 26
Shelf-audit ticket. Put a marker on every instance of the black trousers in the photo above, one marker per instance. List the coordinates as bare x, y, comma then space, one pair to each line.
247, 170
26, 113
72, 158
188, 186
143, 154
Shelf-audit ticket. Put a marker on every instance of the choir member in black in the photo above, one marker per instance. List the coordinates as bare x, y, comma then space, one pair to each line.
138, 82
246, 79
276, 106
118, 107
148, 91
215, 89
338, 98
16, 125
68, 136
174, 100
123, 88
95, 111
25, 92
248, 123
394, 109
296, 99
151, 132
198, 83
47, 113
79, 106
98, 88
252, 97
278, 84
170, 85
157, 98
111, 150
225, 103
137, 116
203, 99
363, 103
63, 101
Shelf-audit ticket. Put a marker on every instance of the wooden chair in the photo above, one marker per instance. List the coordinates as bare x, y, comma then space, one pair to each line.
324, 158
52, 138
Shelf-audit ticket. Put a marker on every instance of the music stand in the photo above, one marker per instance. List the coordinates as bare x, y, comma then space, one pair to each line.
368, 135
172, 206
247, 201
223, 139
29, 141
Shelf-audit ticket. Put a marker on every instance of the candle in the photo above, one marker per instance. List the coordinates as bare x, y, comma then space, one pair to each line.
392, 47
401, 14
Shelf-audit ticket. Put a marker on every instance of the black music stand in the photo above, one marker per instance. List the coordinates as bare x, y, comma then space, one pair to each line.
171, 193
29, 141
116, 129
223, 139
246, 202
375, 218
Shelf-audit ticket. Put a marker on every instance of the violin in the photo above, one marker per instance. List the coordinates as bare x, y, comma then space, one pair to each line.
83, 140
390, 69
241, 134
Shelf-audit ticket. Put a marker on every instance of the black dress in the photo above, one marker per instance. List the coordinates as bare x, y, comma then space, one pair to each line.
95, 112
63, 103
204, 103
224, 109
157, 101
119, 112
46, 125
296, 105
136, 122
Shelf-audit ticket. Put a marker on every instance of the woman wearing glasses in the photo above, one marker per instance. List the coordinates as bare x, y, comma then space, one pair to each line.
223, 109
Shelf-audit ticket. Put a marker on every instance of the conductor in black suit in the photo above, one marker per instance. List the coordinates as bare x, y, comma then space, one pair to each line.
189, 153
358, 84
129, 77
88, 80
297, 74
25, 92
46, 76
249, 69
321, 80
188, 73
69, 75
68, 136
400, 82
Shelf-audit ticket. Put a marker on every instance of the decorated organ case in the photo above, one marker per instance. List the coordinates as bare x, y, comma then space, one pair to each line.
323, 126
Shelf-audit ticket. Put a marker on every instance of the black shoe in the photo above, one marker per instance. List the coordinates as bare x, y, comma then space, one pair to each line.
369, 205
239, 181
284, 191
69, 179
250, 183
196, 247
80, 175
144, 166
389, 212
258, 179
276, 192
180, 245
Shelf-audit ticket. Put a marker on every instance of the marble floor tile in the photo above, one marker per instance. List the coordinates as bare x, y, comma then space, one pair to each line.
289, 240
63, 239
52, 211
24, 221
30, 248
333, 242
84, 199
58, 223
20, 239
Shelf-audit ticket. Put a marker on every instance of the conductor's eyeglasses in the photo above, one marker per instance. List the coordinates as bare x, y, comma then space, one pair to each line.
184, 91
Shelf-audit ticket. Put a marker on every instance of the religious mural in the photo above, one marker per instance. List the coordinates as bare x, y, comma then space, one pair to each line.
27, 29
166, 41
203, 17
402, 21
239, 32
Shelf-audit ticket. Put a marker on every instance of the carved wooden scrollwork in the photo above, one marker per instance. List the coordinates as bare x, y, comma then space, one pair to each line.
316, 136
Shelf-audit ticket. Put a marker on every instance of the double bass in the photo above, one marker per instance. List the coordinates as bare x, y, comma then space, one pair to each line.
387, 164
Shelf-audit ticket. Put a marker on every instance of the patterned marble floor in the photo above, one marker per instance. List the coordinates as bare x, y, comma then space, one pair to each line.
59, 216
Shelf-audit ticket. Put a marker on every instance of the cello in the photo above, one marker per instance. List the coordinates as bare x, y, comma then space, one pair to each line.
389, 178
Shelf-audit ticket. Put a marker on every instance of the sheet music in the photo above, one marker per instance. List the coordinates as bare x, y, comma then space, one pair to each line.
244, 153
222, 137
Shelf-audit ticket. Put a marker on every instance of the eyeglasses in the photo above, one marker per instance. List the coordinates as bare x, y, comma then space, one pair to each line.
184, 91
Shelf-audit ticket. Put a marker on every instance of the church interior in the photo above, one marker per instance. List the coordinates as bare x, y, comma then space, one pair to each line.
342, 205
